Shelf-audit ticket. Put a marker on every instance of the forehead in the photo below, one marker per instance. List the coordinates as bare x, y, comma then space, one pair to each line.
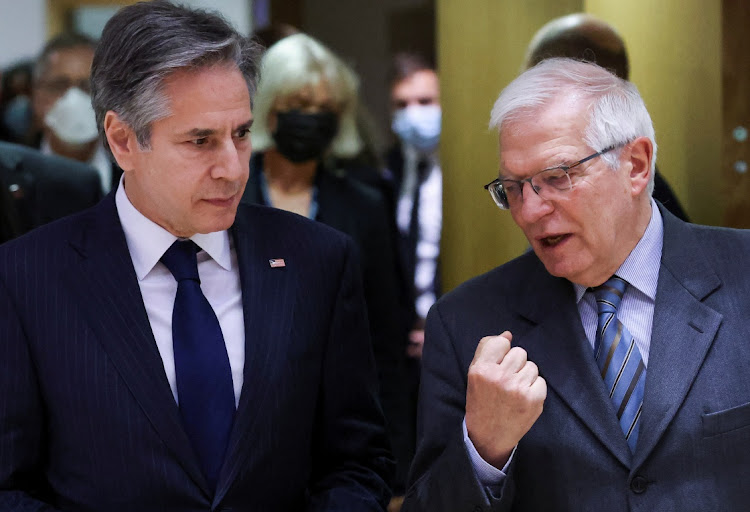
423, 83
538, 139
207, 96
73, 61
317, 92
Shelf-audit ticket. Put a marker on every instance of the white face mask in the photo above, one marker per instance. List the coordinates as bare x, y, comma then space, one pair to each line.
72, 118
418, 126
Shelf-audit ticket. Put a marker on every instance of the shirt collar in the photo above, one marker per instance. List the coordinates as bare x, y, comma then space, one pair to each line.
641, 268
147, 241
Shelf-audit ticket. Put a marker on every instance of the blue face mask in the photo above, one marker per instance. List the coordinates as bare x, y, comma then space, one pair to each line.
418, 126
17, 117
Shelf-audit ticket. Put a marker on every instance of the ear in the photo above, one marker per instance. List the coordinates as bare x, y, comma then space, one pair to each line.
122, 141
641, 154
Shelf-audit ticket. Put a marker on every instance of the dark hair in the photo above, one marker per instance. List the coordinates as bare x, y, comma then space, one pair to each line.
582, 47
63, 41
405, 64
144, 43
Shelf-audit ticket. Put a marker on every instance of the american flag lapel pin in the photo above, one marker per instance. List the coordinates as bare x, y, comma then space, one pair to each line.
277, 263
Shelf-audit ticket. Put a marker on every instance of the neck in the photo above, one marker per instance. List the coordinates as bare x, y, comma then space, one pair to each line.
287, 176
82, 153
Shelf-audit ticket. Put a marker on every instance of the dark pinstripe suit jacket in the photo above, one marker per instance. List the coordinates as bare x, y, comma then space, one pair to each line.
87, 418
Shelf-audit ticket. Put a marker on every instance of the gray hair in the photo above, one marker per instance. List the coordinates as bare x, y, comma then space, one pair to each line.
143, 44
294, 63
617, 113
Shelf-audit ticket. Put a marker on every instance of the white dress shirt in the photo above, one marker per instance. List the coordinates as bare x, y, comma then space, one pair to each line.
220, 283
641, 270
430, 221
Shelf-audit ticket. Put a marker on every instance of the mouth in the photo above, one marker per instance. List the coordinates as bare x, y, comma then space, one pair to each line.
553, 240
219, 201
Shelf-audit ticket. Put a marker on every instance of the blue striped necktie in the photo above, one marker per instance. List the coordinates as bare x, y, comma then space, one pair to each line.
619, 359
204, 376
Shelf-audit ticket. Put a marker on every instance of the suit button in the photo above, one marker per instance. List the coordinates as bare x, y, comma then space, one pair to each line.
638, 485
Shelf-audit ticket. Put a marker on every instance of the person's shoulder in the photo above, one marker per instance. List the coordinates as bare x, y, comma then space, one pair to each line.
502, 283
44, 166
286, 226
48, 245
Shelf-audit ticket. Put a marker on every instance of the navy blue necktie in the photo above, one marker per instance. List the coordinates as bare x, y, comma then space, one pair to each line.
619, 359
204, 377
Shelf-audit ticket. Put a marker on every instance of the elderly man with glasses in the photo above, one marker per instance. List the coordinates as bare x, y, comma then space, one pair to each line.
606, 369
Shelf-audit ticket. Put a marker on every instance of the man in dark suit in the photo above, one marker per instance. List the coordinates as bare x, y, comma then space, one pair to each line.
619, 379
165, 350
44, 188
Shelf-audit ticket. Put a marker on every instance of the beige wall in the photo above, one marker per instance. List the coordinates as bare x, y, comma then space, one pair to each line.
675, 57
674, 47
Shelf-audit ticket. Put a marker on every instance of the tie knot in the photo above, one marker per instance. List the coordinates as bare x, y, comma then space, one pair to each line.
609, 294
181, 260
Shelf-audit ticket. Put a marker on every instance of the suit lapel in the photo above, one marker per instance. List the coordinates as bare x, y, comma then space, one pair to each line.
268, 298
684, 329
107, 288
559, 347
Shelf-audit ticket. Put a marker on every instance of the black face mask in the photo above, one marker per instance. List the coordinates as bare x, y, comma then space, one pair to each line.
301, 137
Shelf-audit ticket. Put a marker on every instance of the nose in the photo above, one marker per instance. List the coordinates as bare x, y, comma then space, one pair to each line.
231, 163
533, 206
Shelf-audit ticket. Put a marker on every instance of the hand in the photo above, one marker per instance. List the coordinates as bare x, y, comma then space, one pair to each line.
416, 342
504, 397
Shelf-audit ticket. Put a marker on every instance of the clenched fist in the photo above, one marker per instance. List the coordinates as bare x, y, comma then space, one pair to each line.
504, 398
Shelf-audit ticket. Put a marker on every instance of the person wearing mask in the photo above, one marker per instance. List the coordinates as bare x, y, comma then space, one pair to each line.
413, 169
305, 120
61, 106
41, 188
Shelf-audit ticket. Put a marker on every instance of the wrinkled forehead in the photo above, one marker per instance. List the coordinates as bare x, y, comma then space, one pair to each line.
565, 115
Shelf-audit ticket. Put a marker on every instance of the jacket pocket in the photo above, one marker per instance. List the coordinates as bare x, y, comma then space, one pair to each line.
721, 422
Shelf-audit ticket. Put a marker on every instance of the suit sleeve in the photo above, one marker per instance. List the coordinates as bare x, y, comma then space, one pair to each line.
21, 418
442, 476
352, 465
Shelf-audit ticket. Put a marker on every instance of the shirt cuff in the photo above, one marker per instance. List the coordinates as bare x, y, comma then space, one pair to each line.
488, 475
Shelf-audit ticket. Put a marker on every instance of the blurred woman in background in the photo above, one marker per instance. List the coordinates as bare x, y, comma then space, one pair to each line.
305, 124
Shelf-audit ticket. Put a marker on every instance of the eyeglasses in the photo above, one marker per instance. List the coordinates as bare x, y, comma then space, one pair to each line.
548, 183
60, 85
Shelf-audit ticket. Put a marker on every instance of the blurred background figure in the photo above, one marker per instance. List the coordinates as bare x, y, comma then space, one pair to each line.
305, 126
588, 38
15, 105
43, 188
63, 119
36, 188
8, 219
413, 165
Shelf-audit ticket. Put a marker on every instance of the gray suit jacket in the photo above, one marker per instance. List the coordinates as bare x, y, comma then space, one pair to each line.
693, 452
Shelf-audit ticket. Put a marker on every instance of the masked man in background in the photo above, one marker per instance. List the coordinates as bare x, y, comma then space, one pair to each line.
414, 167
61, 105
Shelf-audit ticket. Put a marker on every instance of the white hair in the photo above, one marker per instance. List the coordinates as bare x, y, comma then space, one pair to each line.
617, 113
294, 63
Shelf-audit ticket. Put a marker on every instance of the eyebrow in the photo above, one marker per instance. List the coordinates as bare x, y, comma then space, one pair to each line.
207, 132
